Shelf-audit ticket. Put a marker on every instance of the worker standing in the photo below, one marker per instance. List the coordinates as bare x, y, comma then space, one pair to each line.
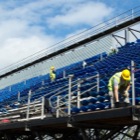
119, 85
52, 73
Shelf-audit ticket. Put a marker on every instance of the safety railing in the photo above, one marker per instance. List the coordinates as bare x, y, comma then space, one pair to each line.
135, 94
135, 75
135, 99
133, 82
40, 92
63, 103
30, 109
37, 109
26, 112
100, 28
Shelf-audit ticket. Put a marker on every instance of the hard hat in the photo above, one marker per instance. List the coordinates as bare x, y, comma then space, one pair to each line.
126, 74
52, 67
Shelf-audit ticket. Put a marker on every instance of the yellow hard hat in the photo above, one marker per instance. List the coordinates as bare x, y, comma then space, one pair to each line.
52, 67
126, 74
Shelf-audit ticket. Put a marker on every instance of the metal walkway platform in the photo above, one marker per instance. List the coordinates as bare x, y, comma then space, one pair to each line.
113, 121
98, 119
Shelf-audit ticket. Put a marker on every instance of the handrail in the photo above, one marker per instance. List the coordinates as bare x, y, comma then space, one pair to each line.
64, 103
40, 103
28, 112
58, 89
66, 96
63, 90
47, 94
115, 21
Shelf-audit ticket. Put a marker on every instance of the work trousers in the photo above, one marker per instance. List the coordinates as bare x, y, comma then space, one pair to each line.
122, 94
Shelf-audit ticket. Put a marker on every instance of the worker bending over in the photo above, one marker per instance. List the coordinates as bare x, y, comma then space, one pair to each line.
119, 84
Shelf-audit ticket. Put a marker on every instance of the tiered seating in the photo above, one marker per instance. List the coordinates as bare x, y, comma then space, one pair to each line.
41, 85
91, 99
94, 100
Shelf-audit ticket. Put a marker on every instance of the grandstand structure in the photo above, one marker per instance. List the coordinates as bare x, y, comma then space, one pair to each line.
76, 105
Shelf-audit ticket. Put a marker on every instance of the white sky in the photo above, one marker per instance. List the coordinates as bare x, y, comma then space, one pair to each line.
29, 26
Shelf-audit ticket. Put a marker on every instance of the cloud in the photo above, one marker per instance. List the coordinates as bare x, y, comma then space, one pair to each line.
15, 49
18, 40
87, 13
19, 36
29, 27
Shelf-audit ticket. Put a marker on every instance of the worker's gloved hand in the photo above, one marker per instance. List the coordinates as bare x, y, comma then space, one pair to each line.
126, 94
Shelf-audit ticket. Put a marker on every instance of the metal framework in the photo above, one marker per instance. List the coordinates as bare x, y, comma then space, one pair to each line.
102, 125
33, 122
126, 37
111, 26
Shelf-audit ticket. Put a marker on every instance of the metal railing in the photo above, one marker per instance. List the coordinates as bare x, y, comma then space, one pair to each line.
100, 28
37, 110
133, 83
29, 111
64, 103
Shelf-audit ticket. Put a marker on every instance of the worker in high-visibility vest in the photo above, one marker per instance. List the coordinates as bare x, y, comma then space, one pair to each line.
52, 73
119, 84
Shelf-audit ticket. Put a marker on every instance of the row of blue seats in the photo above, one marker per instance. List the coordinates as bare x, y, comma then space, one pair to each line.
106, 68
98, 106
36, 82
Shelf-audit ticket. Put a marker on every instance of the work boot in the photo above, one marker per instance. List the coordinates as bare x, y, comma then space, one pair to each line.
117, 104
127, 104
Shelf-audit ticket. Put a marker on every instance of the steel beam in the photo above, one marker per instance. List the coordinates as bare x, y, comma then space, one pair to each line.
77, 44
135, 137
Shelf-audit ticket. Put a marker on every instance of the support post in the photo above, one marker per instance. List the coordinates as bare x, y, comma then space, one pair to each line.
78, 93
98, 82
58, 106
127, 38
69, 97
42, 107
18, 96
64, 74
133, 82
28, 106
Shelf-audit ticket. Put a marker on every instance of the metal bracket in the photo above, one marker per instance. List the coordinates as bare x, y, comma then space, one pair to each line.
69, 122
27, 128
136, 113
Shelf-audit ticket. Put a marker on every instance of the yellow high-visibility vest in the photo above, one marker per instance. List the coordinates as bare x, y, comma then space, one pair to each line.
116, 76
52, 75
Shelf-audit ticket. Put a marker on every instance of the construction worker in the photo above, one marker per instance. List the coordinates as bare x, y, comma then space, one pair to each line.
113, 51
119, 84
52, 73
84, 64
